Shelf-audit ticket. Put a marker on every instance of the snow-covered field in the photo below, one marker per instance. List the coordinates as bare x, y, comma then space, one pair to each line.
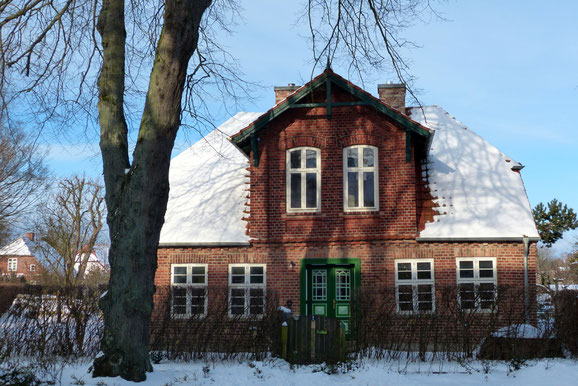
278, 372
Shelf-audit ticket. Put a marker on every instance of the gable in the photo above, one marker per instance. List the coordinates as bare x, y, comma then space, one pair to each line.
318, 93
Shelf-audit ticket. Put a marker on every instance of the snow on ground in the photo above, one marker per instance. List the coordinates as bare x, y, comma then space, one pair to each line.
278, 372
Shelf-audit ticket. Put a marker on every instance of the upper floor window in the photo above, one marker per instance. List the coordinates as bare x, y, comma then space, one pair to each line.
477, 283
189, 290
32, 267
13, 264
303, 180
360, 178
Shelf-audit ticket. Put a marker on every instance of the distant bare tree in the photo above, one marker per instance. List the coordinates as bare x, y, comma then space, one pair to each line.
162, 53
22, 176
69, 226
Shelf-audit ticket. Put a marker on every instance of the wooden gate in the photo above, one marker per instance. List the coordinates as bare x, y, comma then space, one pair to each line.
312, 339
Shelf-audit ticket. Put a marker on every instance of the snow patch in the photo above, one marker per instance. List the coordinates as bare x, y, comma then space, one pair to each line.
476, 191
518, 331
207, 189
22, 246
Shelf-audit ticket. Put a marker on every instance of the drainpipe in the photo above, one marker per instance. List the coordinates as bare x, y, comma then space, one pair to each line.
526, 285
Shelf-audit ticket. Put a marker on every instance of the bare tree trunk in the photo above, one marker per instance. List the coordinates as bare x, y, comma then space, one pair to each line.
137, 194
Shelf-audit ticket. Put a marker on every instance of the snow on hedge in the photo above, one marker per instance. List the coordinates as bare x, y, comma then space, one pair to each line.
478, 193
526, 331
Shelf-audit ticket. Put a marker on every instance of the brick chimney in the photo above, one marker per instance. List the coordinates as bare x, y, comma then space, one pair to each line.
282, 92
29, 236
392, 94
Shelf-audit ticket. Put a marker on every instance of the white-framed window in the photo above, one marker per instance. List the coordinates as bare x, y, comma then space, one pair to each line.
303, 179
414, 285
12, 264
32, 267
477, 282
360, 178
188, 290
247, 285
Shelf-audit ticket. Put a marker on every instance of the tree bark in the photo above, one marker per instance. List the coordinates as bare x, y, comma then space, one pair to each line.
137, 194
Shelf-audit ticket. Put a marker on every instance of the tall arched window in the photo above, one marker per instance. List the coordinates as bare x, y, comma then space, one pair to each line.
360, 182
303, 179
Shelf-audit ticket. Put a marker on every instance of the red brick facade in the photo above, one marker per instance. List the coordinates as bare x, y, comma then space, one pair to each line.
377, 262
281, 240
27, 267
361, 125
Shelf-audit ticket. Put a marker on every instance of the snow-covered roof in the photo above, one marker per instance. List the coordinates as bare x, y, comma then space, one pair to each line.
479, 196
208, 183
22, 246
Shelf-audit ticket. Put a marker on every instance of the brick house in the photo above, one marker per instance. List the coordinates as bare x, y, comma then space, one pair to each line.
17, 260
334, 191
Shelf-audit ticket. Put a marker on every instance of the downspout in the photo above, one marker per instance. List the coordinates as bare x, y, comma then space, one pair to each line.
526, 284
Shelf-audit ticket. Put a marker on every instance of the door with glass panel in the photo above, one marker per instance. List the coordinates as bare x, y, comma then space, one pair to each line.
329, 291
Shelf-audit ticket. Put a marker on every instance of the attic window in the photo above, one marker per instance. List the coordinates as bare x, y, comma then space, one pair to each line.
303, 179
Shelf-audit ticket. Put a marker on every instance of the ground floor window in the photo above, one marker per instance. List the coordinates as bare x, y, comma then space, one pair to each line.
13, 264
188, 290
477, 283
414, 285
247, 284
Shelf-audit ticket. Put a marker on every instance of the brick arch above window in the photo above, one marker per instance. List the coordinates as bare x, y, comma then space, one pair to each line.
360, 139
303, 141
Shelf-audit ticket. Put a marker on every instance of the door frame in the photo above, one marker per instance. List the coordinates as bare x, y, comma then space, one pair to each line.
356, 276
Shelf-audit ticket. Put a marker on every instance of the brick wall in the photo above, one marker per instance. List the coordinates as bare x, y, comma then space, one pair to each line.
349, 125
377, 263
22, 268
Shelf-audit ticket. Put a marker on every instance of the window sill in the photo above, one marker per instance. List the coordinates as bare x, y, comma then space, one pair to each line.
246, 318
188, 317
361, 214
293, 215
414, 313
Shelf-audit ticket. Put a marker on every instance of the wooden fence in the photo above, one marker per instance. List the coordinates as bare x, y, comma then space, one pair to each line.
312, 339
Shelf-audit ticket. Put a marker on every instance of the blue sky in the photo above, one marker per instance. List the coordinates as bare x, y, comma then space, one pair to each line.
508, 70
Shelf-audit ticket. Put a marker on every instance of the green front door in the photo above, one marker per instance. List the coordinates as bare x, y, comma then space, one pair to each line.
329, 291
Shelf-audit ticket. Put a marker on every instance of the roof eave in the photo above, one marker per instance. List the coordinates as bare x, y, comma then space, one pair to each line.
479, 239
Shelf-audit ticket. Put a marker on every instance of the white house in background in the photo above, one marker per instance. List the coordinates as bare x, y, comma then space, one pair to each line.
97, 260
